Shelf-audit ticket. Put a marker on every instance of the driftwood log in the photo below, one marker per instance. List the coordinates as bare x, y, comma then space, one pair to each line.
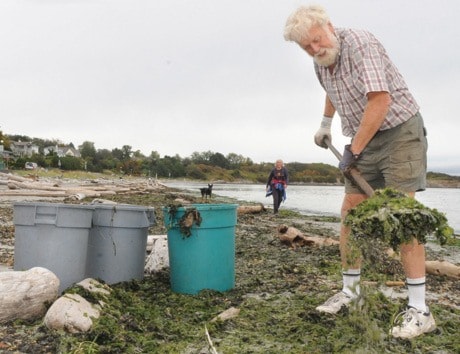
294, 238
251, 209
22, 186
443, 268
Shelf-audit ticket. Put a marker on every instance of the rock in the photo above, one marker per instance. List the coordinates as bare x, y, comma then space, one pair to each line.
158, 257
94, 286
25, 294
71, 313
228, 314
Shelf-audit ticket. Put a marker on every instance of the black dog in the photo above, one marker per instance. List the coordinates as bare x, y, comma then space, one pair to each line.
206, 191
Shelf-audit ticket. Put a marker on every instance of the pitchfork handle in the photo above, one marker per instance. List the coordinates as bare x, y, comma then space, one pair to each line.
354, 173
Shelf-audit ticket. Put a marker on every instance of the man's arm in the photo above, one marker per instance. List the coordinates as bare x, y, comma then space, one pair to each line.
329, 108
377, 107
324, 130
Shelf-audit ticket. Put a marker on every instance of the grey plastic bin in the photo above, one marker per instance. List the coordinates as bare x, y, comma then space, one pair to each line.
118, 241
53, 236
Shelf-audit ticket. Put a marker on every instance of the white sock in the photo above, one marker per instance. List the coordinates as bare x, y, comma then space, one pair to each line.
416, 293
351, 278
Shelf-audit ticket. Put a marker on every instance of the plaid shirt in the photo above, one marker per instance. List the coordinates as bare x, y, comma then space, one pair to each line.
364, 66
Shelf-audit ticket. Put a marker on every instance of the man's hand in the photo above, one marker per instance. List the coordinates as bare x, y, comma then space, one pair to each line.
324, 132
348, 159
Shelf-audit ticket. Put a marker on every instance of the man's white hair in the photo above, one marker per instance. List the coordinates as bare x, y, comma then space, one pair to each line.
300, 21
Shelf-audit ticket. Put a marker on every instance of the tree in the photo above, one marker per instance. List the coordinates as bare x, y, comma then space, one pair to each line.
87, 150
4, 140
127, 152
219, 160
171, 167
201, 157
235, 160
117, 154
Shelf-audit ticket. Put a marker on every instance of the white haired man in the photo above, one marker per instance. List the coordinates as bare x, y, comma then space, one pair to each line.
388, 141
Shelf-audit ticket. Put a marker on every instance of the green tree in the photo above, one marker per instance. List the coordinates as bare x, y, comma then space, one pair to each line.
117, 154
219, 160
127, 152
235, 161
87, 151
171, 167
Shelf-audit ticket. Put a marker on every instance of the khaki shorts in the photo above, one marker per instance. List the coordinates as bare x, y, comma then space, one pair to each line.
395, 158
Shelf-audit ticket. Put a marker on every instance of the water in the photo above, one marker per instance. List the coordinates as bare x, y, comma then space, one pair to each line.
326, 200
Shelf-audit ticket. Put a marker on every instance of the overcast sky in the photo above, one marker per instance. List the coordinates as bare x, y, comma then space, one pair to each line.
209, 75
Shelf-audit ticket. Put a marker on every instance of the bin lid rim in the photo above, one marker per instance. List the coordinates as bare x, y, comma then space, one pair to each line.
123, 207
50, 204
204, 206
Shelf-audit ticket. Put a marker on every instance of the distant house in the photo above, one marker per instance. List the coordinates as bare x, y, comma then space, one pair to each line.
48, 150
62, 151
23, 148
68, 151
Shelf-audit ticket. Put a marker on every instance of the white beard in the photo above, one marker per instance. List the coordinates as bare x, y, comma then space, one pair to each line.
330, 55
328, 58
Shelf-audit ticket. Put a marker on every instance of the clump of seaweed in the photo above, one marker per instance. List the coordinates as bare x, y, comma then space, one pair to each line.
393, 218
190, 217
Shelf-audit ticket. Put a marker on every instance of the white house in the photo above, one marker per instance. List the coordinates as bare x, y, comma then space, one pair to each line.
62, 151
23, 149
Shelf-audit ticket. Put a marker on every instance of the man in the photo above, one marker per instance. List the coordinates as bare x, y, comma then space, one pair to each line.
388, 143
277, 184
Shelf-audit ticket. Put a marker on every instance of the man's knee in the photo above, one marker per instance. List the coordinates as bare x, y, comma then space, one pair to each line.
350, 201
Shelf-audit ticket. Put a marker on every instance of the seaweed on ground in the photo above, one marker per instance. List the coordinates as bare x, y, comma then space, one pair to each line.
277, 290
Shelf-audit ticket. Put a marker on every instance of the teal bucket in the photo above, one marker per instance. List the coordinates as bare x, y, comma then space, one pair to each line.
205, 259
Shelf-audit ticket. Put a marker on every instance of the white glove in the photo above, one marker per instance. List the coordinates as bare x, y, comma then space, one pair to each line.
324, 132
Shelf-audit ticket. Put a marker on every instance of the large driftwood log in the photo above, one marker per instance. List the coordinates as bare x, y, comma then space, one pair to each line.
443, 268
34, 185
24, 294
32, 193
18, 178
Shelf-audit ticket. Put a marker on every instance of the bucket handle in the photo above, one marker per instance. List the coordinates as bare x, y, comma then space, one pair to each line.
46, 218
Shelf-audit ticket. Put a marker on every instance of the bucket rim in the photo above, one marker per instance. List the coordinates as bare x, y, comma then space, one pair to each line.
202, 206
123, 207
50, 204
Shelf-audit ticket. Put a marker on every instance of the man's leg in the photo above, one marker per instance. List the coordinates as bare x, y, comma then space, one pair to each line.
351, 273
416, 319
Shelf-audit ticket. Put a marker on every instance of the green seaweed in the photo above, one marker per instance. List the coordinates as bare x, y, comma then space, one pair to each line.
190, 217
394, 218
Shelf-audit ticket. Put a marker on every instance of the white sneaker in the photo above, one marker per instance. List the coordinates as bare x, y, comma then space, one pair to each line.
335, 303
412, 323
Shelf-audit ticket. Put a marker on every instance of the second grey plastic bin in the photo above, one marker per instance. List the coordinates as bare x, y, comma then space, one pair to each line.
117, 242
